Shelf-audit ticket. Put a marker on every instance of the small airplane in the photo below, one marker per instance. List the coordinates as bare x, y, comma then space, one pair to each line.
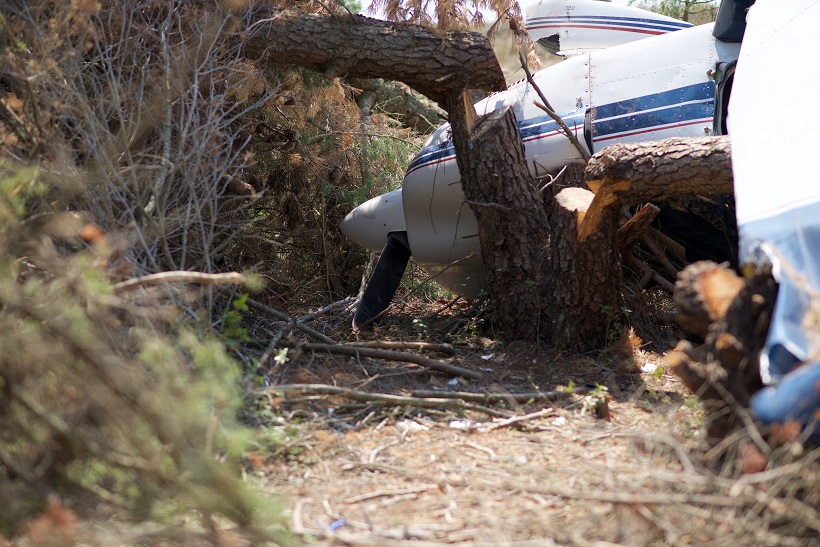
781, 230
675, 82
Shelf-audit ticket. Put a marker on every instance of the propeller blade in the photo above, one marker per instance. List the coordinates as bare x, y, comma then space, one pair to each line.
384, 282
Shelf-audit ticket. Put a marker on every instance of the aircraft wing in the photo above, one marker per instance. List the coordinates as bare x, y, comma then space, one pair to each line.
573, 27
778, 196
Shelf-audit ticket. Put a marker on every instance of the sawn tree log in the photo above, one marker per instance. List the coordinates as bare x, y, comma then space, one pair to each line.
733, 314
635, 173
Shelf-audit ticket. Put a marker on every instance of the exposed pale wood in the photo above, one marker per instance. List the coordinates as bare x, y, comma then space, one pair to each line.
428, 60
655, 171
703, 292
230, 278
635, 227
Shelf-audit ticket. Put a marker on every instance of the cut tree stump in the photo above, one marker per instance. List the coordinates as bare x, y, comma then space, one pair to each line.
735, 315
512, 224
584, 282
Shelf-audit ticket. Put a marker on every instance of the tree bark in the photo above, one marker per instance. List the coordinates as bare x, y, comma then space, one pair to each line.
582, 300
512, 224
703, 293
428, 60
724, 372
635, 173
398, 101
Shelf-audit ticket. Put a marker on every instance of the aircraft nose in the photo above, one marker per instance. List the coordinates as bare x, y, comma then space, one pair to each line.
369, 224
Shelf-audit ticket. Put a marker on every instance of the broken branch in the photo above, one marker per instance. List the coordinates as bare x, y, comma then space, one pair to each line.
179, 277
376, 353
547, 107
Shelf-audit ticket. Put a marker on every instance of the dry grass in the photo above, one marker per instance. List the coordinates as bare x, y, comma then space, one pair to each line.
361, 473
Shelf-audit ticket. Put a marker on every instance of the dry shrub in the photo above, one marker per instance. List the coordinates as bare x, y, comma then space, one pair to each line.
137, 138
124, 125
105, 399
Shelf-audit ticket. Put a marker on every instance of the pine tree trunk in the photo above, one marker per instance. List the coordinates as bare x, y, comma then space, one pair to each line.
512, 224
582, 299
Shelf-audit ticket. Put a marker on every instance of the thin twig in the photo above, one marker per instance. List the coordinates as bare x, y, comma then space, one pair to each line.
376, 353
516, 419
546, 107
377, 399
644, 267
389, 344
488, 398
202, 278
350, 300
390, 493
285, 317
659, 253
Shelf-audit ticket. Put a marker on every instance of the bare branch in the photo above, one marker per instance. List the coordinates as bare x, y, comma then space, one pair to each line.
232, 278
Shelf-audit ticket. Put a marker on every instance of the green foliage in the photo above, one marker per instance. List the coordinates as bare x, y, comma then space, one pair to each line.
136, 416
232, 331
693, 11
616, 321
355, 6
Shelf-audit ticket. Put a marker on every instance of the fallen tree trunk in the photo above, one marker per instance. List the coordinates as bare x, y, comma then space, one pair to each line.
428, 60
635, 173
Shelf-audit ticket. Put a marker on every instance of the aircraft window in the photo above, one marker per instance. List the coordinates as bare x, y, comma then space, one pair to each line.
551, 43
723, 91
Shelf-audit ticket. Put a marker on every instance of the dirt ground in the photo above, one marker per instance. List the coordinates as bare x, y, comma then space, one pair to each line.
543, 449
571, 470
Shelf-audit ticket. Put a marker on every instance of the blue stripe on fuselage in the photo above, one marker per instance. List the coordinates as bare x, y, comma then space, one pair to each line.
676, 106
606, 20
654, 118
673, 97
530, 129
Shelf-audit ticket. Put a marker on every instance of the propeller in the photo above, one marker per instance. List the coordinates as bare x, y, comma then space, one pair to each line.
384, 282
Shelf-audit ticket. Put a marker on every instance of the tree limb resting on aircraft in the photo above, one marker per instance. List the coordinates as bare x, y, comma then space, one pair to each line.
638, 172
654, 171
428, 60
